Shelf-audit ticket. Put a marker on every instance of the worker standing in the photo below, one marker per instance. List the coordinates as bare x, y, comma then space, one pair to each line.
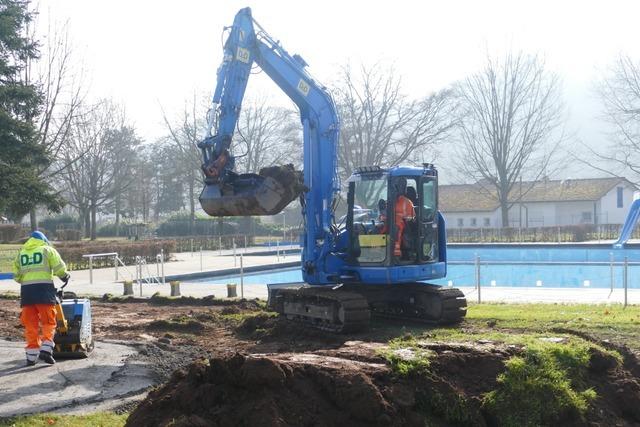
403, 211
34, 269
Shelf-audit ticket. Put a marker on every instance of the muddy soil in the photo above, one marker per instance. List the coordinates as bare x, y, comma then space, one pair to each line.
239, 365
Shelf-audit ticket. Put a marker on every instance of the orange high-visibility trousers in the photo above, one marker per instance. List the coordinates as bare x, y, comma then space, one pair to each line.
403, 210
33, 317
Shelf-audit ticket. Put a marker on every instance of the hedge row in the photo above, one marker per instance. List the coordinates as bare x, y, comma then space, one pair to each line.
566, 233
72, 252
211, 243
200, 227
9, 232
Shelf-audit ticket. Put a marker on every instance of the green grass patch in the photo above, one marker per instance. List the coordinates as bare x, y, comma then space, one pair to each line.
7, 256
102, 419
511, 323
181, 324
542, 386
407, 357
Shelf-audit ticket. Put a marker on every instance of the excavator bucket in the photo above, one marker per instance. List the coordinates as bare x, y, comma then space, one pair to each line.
266, 193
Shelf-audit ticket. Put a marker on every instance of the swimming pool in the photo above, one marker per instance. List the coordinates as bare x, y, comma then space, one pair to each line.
557, 266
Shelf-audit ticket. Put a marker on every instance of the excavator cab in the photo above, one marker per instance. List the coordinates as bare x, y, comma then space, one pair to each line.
392, 217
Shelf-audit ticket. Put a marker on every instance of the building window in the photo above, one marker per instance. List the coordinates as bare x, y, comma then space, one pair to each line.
474, 223
487, 222
586, 218
620, 200
460, 222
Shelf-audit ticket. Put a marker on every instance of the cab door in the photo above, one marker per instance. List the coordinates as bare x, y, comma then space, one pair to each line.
428, 219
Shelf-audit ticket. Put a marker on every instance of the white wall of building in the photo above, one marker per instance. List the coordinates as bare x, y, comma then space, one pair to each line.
483, 219
608, 207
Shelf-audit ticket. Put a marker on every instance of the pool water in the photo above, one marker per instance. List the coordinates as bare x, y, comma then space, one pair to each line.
503, 265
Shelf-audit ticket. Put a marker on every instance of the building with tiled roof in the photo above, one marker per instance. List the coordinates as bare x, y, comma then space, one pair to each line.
542, 203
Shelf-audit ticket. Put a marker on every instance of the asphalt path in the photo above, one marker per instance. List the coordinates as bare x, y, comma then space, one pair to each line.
112, 376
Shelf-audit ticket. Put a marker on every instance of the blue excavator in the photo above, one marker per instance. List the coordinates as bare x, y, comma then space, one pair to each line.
374, 261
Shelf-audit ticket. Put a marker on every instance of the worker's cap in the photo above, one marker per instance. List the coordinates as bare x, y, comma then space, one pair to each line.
40, 236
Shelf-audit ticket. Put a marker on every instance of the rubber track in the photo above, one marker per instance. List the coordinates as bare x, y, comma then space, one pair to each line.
454, 306
357, 314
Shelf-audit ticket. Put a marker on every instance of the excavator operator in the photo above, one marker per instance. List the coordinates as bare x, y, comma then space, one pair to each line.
404, 211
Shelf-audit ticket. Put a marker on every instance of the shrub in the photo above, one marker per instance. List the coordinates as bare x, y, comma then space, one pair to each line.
68, 235
72, 252
540, 387
210, 243
200, 227
10, 232
53, 223
127, 229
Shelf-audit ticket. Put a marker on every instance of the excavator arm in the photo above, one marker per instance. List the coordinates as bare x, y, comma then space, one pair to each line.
227, 193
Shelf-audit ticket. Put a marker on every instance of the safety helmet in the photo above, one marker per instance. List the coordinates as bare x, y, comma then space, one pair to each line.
40, 236
400, 185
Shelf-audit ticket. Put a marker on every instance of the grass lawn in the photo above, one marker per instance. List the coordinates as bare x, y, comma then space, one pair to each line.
102, 419
7, 255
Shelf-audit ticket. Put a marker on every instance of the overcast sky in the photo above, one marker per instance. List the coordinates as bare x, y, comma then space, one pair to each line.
150, 53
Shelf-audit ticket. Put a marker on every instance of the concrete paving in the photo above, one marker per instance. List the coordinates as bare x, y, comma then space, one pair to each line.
110, 377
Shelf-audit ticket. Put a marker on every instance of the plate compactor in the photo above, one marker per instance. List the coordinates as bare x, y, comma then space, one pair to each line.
73, 337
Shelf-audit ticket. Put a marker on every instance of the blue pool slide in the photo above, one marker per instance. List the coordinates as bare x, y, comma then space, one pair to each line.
629, 224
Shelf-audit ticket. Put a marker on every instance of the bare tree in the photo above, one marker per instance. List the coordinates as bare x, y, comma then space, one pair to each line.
265, 136
381, 125
511, 111
184, 134
62, 91
619, 92
107, 144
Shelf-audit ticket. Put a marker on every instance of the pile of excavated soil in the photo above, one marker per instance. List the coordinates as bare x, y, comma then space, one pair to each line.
284, 389
352, 385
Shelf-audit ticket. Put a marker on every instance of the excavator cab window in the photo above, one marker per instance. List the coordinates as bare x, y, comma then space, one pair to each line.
428, 220
368, 218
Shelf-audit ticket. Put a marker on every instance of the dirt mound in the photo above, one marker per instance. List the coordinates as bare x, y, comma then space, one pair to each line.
285, 389
355, 385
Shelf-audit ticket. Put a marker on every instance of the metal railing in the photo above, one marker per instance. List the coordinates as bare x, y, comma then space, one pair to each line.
477, 265
116, 262
142, 267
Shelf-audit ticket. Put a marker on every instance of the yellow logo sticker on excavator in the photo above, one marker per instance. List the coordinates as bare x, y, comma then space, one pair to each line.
372, 240
242, 55
303, 87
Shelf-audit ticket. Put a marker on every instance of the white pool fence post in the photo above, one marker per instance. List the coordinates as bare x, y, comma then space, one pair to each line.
245, 243
241, 277
115, 265
139, 273
612, 271
625, 279
201, 258
90, 269
235, 262
220, 244
478, 278
191, 247
277, 251
162, 265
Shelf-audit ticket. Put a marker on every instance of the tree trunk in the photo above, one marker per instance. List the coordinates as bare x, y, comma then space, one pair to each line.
87, 222
504, 209
192, 203
93, 221
117, 202
34, 220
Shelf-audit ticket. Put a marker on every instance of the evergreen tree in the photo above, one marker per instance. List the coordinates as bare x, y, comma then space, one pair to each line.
20, 188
